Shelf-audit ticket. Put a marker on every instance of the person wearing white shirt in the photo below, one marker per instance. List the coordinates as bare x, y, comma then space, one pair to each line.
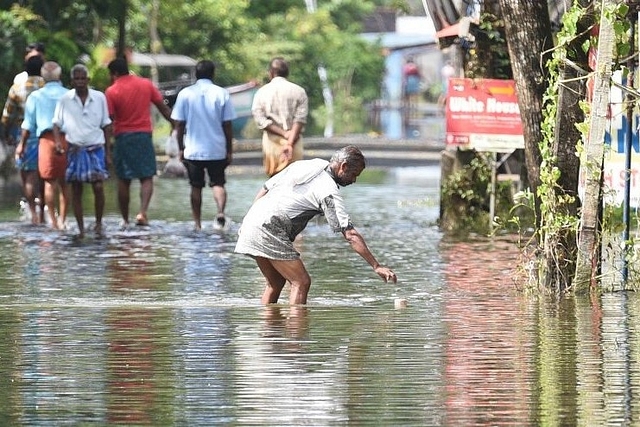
82, 118
203, 114
282, 209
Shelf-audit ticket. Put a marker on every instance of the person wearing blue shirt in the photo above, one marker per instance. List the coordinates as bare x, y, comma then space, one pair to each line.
203, 113
52, 160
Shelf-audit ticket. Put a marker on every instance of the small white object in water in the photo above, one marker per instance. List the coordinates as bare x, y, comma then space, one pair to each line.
24, 210
400, 303
221, 223
25, 214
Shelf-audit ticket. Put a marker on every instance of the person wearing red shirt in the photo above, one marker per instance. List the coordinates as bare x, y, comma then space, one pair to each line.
129, 98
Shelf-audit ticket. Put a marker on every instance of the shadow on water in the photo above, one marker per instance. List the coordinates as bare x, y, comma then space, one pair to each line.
163, 326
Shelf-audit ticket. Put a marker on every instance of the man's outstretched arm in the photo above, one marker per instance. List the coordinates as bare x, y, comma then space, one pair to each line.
358, 244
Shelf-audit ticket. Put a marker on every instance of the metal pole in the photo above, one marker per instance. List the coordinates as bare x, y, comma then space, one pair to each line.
628, 146
492, 196
324, 81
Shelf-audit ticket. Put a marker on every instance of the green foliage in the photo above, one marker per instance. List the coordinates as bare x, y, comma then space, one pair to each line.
65, 52
347, 14
354, 67
202, 29
14, 37
618, 14
241, 36
520, 217
468, 190
64, 27
98, 73
349, 117
490, 57
259, 9
466, 199
555, 223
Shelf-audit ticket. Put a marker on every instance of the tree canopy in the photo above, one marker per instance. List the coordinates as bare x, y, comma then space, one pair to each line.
240, 36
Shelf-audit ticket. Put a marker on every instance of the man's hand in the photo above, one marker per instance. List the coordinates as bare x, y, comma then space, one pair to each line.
386, 274
287, 152
20, 150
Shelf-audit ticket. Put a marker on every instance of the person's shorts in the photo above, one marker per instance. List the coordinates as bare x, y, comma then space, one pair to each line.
134, 156
215, 169
86, 164
51, 164
29, 160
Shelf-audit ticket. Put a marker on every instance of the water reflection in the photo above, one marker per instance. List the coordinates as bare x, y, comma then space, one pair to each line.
490, 340
163, 326
137, 355
136, 362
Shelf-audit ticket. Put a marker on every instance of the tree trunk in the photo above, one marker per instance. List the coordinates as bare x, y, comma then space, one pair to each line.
122, 30
570, 92
528, 30
589, 236
560, 251
154, 37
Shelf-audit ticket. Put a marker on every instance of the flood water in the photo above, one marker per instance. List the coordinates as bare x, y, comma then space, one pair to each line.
163, 326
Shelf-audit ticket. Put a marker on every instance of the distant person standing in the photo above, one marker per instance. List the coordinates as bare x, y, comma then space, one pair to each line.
412, 78
52, 158
280, 110
129, 99
33, 49
82, 118
203, 113
446, 73
26, 156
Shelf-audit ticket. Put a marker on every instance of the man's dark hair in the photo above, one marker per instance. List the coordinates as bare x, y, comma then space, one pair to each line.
33, 65
38, 46
279, 67
119, 67
205, 70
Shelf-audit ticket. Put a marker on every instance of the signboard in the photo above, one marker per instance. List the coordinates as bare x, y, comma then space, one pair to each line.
615, 157
483, 114
614, 179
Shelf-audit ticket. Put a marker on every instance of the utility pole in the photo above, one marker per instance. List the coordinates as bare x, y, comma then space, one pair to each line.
121, 17
634, 8
326, 89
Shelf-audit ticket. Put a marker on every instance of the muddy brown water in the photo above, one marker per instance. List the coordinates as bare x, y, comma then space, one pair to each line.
163, 326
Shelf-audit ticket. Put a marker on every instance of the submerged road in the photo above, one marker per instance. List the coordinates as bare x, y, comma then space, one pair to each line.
379, 151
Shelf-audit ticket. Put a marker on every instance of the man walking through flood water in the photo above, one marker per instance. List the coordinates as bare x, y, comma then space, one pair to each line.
203, 115
280, 110
282, 209
82, 118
